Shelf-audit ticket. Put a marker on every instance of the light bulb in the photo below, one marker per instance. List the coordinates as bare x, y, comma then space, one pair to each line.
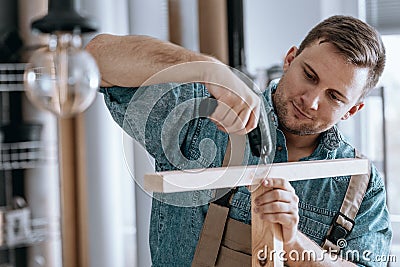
62, 77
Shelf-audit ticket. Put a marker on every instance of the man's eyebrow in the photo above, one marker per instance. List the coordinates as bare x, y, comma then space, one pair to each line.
316, 75
311, 69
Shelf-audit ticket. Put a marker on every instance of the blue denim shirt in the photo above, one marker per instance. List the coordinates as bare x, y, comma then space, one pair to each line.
164, 119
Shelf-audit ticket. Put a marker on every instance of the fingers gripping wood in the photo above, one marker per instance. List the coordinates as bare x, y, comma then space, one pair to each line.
267, 242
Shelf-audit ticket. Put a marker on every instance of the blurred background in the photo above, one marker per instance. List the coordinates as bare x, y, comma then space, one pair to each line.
68, 195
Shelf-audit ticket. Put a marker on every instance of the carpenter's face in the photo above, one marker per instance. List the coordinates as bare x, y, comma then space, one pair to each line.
318, 89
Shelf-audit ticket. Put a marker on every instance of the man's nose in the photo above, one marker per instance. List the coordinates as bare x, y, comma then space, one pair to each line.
311, 99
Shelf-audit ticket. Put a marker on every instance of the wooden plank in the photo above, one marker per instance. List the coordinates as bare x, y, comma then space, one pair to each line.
265, 237
227, 177
81, 194
69, 225
73, 192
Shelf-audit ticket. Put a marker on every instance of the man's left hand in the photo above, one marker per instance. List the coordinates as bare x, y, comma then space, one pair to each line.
279, 204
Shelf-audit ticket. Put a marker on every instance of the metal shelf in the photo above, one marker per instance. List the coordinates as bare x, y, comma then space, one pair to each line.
12, 77
25, 155
40, 230
22, 155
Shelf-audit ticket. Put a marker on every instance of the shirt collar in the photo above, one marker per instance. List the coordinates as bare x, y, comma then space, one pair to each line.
331, 138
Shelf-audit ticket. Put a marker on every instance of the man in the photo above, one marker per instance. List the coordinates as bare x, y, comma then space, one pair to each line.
325, 80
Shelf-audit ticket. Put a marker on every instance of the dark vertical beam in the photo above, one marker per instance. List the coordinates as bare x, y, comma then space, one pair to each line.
61, 5
235, 33
12, 181
8, 14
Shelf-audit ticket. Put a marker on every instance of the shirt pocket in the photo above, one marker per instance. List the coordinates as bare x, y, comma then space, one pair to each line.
314, 222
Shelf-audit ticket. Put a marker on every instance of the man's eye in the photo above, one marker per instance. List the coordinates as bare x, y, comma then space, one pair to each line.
334, 97
309, 76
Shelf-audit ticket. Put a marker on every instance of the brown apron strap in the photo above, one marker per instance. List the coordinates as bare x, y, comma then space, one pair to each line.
236, 158
229, 247
210, 237
237, 236
343, 222
227, 156
354, 196
230, 258
355, 193
222, 196
209, 244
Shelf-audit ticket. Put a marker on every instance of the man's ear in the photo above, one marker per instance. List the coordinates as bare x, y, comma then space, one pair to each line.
354, 109
290, 55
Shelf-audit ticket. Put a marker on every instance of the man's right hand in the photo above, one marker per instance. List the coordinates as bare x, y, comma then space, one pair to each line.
238, 106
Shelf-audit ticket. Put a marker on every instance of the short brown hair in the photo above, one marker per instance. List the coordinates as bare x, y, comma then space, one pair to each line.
357, 41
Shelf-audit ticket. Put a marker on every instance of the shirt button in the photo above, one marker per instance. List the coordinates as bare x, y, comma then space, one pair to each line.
279, 148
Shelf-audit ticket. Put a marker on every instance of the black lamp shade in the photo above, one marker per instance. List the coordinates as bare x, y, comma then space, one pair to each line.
63, 17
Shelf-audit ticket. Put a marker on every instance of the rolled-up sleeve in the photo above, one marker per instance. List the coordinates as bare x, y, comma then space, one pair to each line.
160, 117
